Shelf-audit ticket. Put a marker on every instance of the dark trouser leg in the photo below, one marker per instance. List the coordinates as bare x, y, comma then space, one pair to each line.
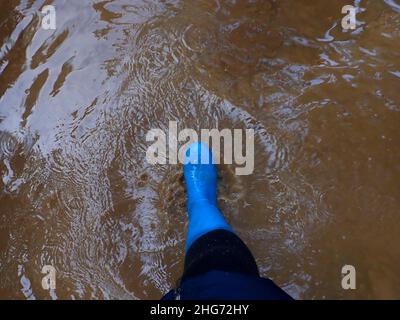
219, 250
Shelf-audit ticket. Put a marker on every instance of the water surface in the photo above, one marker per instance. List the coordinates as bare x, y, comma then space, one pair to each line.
76, 103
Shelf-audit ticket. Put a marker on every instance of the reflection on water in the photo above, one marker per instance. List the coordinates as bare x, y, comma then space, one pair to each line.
76, 103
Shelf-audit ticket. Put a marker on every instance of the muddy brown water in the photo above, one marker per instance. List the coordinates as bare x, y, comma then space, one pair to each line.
76, 103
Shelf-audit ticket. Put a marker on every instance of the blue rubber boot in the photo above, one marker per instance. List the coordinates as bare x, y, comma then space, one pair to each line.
201, 184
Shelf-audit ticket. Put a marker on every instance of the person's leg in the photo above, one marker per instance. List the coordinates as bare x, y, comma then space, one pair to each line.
211, 242
218, 265
201, 184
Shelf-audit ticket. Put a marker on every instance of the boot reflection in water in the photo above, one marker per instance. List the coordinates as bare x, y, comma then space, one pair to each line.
218, 265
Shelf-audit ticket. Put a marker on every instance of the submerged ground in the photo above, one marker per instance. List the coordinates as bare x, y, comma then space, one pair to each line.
76, 103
